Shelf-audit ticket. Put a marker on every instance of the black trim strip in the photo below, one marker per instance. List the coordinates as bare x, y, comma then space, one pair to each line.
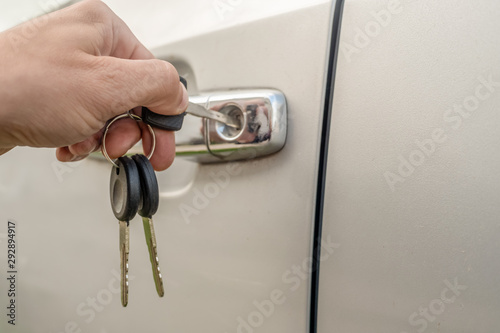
323, 159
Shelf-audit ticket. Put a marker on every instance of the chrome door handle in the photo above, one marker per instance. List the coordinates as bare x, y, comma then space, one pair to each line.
261, 113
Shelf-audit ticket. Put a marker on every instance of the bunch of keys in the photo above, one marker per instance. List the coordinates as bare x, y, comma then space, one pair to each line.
134, 189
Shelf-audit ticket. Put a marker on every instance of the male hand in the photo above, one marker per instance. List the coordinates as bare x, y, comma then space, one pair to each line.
65, 74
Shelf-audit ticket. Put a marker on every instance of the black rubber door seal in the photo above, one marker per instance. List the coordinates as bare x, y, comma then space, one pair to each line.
338, 9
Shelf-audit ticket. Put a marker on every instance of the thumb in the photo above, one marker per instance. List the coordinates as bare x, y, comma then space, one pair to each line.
125, 84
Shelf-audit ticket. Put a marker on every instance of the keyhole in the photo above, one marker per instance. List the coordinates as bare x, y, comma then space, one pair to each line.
229, 133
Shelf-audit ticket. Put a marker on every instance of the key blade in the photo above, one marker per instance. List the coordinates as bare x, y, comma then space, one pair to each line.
200, 111
149, 232
124, 251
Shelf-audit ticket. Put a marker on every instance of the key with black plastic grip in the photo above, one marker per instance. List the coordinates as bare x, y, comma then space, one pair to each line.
150, 200
165, 122
174, 123
125, 194
169, 123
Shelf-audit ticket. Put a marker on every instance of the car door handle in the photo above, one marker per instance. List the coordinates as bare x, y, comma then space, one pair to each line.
261, 113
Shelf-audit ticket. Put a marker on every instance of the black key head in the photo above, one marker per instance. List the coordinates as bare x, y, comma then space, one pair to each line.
150, 195
125, 189
161, 121
183, 81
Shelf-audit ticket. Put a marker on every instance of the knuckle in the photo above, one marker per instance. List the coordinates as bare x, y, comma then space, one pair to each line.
104, 87
93, 11
166, 74
94, 6
165, 81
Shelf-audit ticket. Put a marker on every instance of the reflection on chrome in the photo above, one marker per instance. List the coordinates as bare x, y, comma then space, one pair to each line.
262, 114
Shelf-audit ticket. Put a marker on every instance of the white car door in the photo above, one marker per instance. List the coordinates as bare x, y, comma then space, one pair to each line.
411, 194
234, 239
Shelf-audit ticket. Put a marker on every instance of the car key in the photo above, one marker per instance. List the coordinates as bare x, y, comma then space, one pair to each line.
125, 193
174, 123
201, 111
148, 206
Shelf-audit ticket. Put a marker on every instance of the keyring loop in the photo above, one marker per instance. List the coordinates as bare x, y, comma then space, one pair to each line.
125, 115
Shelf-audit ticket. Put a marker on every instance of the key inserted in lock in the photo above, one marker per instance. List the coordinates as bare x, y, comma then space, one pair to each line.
174, 122
200, 111
260, 116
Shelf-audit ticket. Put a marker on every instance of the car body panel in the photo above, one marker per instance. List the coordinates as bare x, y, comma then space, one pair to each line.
412, 185
410, 225
229, 235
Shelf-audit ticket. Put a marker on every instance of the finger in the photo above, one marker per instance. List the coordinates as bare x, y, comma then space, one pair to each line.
87, 146
122, 136
64, 155
163, 155
113, 37
124, 84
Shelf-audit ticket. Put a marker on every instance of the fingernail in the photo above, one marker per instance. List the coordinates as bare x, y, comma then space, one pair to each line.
185, 100
77, 158
94, 147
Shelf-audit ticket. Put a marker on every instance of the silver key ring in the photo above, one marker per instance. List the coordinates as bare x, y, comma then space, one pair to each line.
135, 117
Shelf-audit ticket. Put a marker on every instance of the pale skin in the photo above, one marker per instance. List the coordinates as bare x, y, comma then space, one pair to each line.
63, 76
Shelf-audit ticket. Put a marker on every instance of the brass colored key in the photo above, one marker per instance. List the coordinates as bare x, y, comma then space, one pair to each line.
124, 251
149, 232
150, 198
125, 192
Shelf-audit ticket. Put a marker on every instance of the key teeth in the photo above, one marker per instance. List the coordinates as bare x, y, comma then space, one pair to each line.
160, 290
124, 267
153, 255
157, 275
124, 285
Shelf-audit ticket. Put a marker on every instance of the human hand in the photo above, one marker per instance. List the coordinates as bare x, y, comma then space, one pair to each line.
64, 75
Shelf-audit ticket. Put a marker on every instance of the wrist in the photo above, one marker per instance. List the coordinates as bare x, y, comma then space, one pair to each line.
7, 93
